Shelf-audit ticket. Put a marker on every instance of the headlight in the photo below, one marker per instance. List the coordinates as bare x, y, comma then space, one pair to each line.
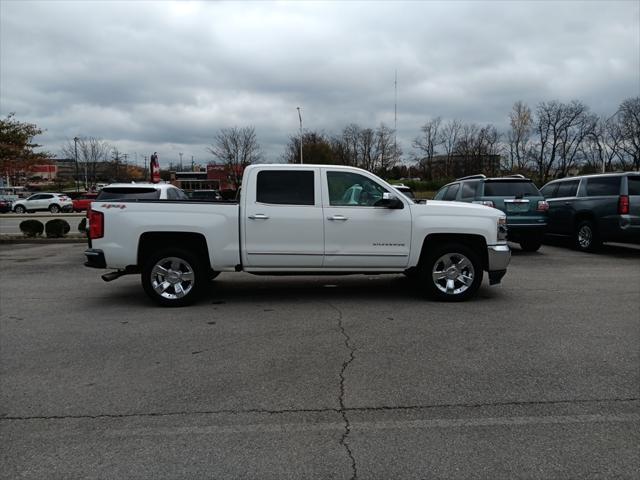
502, 229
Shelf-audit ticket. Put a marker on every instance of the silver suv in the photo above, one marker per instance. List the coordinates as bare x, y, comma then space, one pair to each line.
54, 202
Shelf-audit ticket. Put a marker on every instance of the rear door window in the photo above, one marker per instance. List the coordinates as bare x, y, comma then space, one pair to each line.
549, 191
286, 187
510, 188
441, 193
469, 190
634, 185
452, 192
567, 189
603, 186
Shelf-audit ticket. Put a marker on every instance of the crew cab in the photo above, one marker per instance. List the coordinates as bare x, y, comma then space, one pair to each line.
299, 219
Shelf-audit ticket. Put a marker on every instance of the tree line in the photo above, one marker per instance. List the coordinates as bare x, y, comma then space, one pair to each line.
551, 140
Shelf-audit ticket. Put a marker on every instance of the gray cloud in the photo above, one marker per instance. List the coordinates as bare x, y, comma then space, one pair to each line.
166, 76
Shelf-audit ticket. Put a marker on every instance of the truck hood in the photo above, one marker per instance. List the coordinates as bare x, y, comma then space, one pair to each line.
453, 209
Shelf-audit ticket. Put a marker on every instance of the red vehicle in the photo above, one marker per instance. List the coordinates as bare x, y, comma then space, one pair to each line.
82, 203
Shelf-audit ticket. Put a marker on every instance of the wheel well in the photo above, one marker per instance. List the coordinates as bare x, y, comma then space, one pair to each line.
580, 216
476, 242
153, 241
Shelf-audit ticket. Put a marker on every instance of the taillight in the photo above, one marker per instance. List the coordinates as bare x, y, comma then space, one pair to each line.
96, 225
623, 205
543, 206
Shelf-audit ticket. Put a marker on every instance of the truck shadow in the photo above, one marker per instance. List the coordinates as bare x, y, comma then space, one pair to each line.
242, 289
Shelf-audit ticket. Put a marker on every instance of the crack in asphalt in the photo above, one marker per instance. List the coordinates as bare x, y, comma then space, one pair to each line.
343, 409
382, 408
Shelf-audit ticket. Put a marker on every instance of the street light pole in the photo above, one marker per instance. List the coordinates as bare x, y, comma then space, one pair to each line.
75, 147
300, 117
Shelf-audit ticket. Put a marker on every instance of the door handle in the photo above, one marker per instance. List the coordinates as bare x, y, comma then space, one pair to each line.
567, 203
340, 218
259, 216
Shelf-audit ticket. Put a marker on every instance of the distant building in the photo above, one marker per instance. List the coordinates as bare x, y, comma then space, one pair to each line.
213, 177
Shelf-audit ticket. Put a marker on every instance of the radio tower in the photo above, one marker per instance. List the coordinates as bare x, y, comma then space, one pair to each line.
395, 118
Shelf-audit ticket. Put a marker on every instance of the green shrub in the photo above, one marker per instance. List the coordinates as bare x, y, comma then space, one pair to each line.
82, 227
31, 228
56, 228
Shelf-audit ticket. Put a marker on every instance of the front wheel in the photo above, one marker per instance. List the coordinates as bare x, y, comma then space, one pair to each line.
586, 237
20, 209
451, 273
173, 277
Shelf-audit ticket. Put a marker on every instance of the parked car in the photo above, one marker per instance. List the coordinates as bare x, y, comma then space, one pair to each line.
5, 206
141, 191
82, 203
515, 195
595, 208
54, 202
204, 195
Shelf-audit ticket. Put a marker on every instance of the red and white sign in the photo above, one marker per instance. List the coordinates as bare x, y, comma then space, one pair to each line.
155, 168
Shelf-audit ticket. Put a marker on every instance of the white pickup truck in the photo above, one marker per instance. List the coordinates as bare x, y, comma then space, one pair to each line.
299, 219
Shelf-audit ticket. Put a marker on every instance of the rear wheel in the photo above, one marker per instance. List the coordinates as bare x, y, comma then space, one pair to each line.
54, 208
173, 277
586, 237
451, 273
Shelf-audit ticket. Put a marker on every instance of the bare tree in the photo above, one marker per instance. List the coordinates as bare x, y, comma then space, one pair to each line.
388, 152
236, 148
629, 121
426, 144
315, 145
449, 139
519, 137
561, 128
91, 152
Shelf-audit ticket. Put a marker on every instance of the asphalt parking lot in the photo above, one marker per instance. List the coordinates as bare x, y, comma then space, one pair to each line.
321, 377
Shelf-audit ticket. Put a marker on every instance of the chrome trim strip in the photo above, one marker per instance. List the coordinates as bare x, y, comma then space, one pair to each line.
332, 254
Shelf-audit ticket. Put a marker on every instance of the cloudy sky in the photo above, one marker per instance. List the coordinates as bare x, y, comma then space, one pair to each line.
166, 76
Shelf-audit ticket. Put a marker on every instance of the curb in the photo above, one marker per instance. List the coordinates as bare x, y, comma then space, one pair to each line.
14, 239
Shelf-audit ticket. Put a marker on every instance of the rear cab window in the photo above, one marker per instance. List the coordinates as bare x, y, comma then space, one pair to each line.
133, 193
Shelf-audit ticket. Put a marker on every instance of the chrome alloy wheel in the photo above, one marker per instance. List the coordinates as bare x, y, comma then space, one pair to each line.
585, 236
172, 278
453, 273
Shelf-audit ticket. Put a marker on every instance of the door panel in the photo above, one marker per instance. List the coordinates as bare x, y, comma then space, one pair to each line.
279, 233
357, 233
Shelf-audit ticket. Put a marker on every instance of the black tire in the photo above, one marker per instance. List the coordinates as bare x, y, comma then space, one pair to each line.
178, 291
586, 237
464, 263
20, 209
530, 245
213, 275
54, 208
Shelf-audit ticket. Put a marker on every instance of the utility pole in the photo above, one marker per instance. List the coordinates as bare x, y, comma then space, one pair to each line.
146, 178
300, 117
75, 147
180, 160
126, 170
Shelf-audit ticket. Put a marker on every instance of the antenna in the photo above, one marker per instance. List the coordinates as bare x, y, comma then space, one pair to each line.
395, 117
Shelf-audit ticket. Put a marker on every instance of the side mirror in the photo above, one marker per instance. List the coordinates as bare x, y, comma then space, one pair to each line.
390, 201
